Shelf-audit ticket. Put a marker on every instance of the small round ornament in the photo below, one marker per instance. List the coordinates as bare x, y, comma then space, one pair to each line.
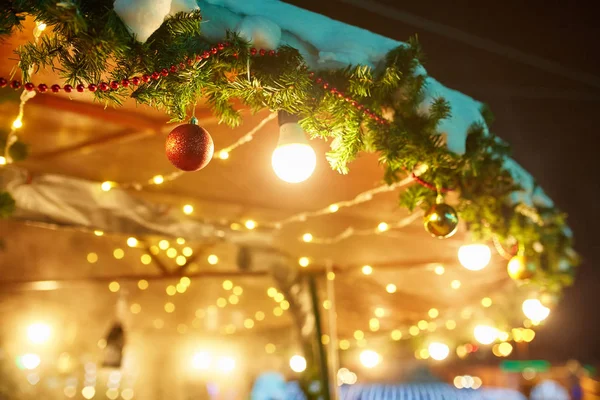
189, 147
441, 221
519, 268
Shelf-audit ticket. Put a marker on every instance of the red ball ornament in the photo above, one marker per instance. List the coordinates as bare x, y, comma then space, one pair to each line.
189, 147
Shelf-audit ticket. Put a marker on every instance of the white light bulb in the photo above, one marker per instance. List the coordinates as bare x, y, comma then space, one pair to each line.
535, 310
369, 358
298, 363
485, 334
293, 160
38, 333
201, 360
474, 256
438, 351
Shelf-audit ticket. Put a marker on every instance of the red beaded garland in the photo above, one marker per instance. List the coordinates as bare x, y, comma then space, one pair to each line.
29, 86
42, 87
135, 80
3, 82
92, 87
125, 82
214, 50
271, 52
262, 52
173, 68
103, 86
181, 66
55, 88
253, 51
68, 88
205, 54
220, 46
80, 88
15, 84
155, 75
146, 78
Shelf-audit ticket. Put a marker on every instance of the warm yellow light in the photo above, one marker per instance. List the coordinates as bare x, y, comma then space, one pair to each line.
158, 323
461, 352
163, 244
112, 394
396, 335
379, 312
106, 186
391, 288
535, 310
486, 302
505, 349
439, 270
226, 364
374, 324
158, 179
271, 292
422, 324
171, 290
359, 335
212, 259
172, 252
250, 224
298, 363
2, 160
233, 299
270, 348
143, 284
414, 330
285, 305
325, 339
528, 335
367, 270
450, 324
118, 254
114, 287
331, 276
181, 261
503, 336
227, 284
135, 308
307, 237
279, 297
334, 208
17, 123
259, 315
188, 209
221, 302
344, 344
41, 26
327, 304
474, 257
201, 360
438, 351
92, 258
169, 307
382, 227
238, 290
485, 334
369, 358
303, 261
433, 313
88, 392
132, 242
277, 311
294, 162
223, 155
180, 288
30, 360
187, 251
248, 323
455, 284
39, 333
146, 259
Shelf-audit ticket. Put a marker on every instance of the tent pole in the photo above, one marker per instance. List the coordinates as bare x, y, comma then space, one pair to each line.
334, 362
323, 372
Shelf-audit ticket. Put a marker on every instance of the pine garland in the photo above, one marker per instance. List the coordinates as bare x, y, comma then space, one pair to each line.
89, 44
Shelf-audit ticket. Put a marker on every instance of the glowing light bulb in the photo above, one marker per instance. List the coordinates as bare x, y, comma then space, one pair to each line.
535, 310
226, 364
382, 227
293, 160
367, 270
158, 179
334, 208
298, 363
307, 237
201, 360
30, 360
223, 155
485, 334
438, 351
303, 261
213, 259
17, 123
369, 358
38, 333
439, 270
391, 288
106, 186
250, 224
41, 26
132, 242
188, 209
474, 257
2, 160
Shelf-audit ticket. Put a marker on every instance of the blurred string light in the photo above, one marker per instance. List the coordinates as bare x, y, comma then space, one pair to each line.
485, 334
39, 333
346, 377
29, 361
369, 358
467, 382
535, 310
474, 257
438, 351
298, 363
201, 360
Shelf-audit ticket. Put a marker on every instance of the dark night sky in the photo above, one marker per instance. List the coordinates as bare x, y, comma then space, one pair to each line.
548, 118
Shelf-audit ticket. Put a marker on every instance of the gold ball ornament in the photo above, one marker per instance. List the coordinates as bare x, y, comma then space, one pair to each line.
441, 221
519, 268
